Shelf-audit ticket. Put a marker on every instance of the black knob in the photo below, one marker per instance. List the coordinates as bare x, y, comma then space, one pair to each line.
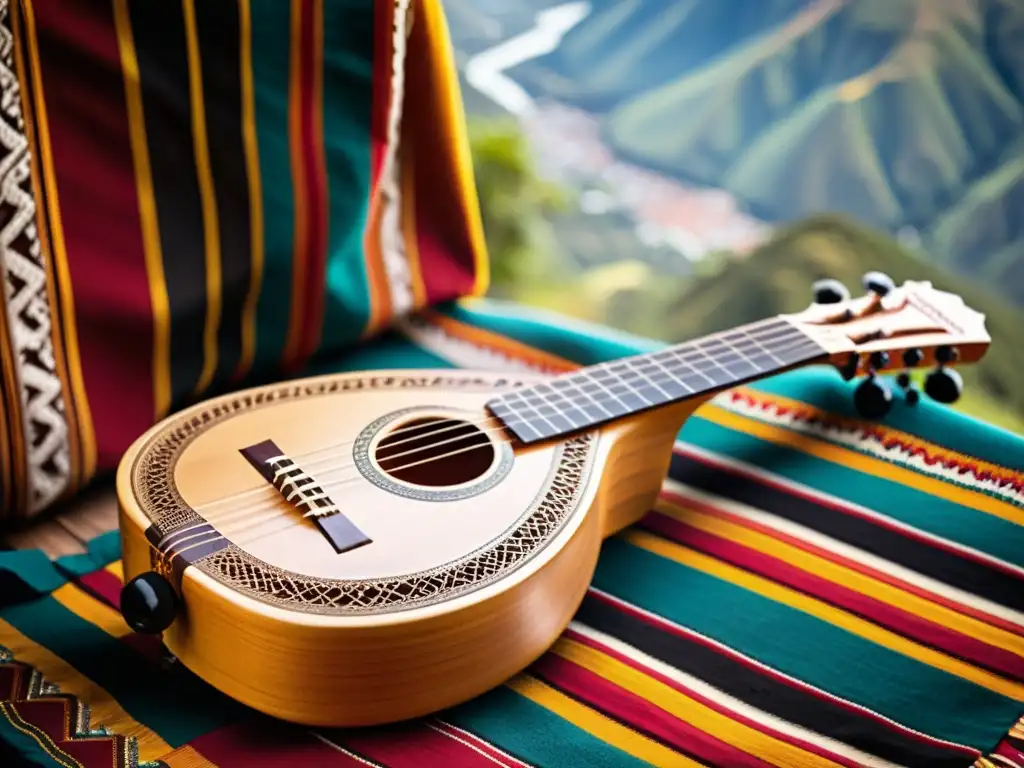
913, 397
879, 359
912, 357
903, 380
946, 354
878, 283
849, 369
829, 291
872, 398
944, 385
149, 603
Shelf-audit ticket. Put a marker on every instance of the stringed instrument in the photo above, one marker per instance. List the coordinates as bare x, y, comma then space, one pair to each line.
363, 548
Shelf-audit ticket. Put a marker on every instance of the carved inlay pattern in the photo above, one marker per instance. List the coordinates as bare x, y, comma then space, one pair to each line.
152, 480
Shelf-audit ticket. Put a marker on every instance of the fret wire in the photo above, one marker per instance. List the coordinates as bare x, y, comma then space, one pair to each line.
626, 384
569, 381
532, 408
554, 405
630, 365
743, 355
602, 386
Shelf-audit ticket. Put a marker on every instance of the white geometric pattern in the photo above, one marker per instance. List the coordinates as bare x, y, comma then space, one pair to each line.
25, 290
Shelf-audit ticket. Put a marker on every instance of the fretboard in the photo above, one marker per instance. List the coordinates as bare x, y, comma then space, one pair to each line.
602, 393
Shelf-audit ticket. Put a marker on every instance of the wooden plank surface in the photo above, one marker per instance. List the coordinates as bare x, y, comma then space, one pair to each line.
66, 530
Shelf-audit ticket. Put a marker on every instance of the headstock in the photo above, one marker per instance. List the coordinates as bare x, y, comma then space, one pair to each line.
893, 328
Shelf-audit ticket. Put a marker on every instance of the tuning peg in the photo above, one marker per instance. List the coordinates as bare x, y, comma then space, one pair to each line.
149, 603
872, 398
910, 393
944, 385
829, 291
878, 283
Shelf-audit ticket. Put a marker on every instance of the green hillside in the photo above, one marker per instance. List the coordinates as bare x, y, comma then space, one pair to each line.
901, 113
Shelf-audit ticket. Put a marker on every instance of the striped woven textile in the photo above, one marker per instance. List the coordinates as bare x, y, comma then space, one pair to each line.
809, 591
198, 196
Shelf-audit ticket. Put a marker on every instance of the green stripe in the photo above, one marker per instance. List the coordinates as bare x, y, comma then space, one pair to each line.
271, 24
581, 342
101, 552
389, 351
808, 648
534, 734
174, 704
928, 420
347, 101
980, 530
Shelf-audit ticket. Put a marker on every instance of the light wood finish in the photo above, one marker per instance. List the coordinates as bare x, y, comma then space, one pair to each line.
358, 670
68, 530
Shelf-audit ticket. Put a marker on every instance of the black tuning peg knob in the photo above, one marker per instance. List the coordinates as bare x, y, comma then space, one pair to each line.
878, 283
910, 394
944, 385
872, 398
149, 603
829, 291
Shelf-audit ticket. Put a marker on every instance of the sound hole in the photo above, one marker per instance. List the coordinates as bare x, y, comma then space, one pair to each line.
435, 452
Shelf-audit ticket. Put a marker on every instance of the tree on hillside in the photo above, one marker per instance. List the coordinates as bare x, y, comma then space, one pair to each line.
515, 204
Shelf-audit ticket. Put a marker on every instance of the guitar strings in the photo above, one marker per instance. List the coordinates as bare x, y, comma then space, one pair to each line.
272, 495
275, 498
635, 376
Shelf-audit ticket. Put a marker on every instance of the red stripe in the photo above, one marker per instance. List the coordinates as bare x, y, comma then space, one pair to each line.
640, 714
53, 717
312, 152
883, 614
383, 18
966, 610
270, 744
419, 746
631, 662
675, 629
103, 585
445, 250
92, 160
839, 506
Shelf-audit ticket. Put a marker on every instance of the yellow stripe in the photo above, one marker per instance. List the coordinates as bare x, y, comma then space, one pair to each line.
116, 568
48, 745
678, 704
846, 577
298, 184
862, 463
599, 726
60, 358
87, 607
825, 612
148, 220
252, 167
86, 434
454, 128
105, 709
207, 196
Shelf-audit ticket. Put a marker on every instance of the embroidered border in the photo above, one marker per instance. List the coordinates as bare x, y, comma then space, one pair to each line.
879, 442
28, 309
393, 248
29, 685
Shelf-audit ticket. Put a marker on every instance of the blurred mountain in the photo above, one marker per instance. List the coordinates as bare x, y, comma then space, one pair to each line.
906, 114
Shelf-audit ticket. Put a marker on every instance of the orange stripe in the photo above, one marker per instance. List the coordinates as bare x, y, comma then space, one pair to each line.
252, 167
453, 130
862, 463
76, 385
312, 333
496, 341
12, 460
301, 241
994, 621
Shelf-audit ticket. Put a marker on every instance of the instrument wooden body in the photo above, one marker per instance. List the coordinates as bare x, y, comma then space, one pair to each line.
362, 660
364, 548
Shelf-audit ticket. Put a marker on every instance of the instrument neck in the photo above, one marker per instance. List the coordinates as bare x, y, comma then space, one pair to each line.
613, 390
